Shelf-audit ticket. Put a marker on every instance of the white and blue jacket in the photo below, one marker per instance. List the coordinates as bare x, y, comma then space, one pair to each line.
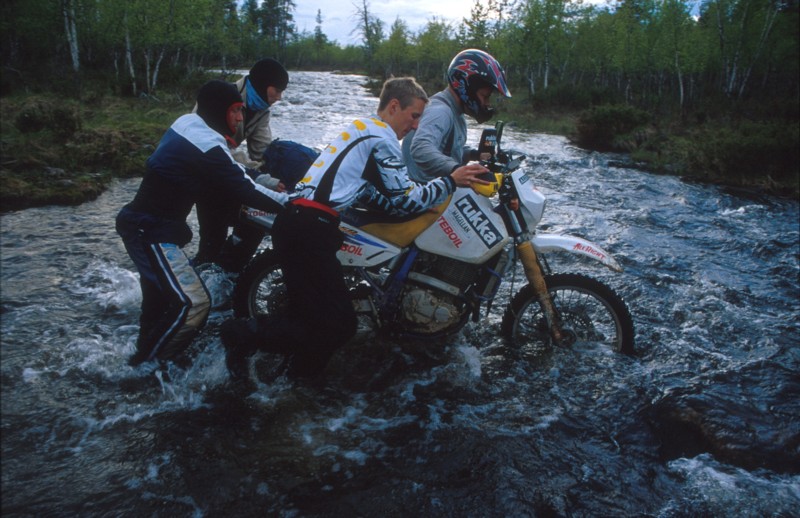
192, 163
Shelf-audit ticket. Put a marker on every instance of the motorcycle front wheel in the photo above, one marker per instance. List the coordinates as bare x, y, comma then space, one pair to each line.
589, 311
260, 289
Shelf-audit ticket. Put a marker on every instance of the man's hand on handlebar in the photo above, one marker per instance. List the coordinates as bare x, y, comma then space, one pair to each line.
468, 175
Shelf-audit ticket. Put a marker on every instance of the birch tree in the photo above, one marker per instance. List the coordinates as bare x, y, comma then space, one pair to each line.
743, 28
71, 31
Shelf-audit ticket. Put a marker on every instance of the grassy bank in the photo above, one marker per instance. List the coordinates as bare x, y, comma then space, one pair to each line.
62, 151
749, 148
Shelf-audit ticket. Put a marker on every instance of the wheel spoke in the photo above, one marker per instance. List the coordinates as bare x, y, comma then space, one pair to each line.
589, 312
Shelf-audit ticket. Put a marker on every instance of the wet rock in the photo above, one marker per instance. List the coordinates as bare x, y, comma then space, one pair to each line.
749, 418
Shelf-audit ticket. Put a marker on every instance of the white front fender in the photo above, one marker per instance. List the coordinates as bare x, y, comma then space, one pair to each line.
565, 243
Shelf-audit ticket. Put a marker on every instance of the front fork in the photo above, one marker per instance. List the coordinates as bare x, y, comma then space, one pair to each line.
535, 276
533, 272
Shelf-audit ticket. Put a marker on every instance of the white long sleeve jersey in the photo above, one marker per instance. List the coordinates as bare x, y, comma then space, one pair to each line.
365, 163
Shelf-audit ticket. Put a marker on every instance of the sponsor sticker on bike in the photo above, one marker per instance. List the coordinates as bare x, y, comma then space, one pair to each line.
469, 215
449, 231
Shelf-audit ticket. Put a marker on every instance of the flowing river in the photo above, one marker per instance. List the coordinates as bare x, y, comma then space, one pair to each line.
703, 421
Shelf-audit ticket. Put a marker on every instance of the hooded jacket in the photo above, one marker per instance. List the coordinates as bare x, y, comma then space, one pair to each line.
255, 129
193, 164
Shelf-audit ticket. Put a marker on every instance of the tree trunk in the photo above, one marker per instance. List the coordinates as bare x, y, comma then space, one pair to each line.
147, 70
531, 82
723, 48
68, 9
156, 69
769, 21
129, 56
546, 65
680, 80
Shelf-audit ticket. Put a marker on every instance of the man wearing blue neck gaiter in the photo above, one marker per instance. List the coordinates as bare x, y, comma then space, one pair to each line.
261, 88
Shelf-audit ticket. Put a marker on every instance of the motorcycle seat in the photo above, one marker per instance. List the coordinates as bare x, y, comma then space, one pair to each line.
399, 231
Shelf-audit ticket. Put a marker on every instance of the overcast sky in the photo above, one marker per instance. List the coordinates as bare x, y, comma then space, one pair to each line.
339, 16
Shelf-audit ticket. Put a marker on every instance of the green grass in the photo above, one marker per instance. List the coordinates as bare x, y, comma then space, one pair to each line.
57, 150
62, 151
758, 149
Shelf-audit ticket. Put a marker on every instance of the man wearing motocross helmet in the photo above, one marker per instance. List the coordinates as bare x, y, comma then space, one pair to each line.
192, 164
438, 145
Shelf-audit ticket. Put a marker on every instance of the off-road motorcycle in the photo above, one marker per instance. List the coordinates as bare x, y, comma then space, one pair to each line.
426, 276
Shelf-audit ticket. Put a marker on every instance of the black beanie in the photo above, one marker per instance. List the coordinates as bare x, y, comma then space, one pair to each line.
213, 100
268, 72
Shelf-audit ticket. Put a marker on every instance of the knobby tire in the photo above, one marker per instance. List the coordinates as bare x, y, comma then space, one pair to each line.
589, 310
260, 289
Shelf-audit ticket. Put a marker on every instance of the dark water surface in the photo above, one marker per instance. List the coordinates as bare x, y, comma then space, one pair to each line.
703, 421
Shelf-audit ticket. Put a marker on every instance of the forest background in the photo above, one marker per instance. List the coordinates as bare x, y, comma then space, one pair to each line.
706, 89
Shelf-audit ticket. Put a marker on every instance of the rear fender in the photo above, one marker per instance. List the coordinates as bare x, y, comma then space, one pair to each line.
545, 243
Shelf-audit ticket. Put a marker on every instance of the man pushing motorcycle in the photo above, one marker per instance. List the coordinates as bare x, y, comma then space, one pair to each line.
364, 163
192, 164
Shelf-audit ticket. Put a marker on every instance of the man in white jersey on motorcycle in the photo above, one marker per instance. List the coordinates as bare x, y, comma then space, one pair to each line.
438, 145
364, 162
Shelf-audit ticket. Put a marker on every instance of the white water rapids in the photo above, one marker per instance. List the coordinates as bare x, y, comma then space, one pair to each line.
703, 421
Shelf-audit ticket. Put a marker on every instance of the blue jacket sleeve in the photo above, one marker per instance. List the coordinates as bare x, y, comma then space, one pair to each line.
234, 181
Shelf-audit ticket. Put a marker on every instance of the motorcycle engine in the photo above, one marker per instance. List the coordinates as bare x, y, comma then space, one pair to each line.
433, 298
426, 312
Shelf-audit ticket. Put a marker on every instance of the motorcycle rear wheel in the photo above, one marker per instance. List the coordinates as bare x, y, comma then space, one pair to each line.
260, 289
589, 310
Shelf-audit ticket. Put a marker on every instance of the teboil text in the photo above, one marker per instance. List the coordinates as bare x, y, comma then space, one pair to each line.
478, 221
256, 213
352, 249
451, 234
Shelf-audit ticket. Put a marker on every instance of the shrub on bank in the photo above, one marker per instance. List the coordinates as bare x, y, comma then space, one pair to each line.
43, 113
62, 151
609, 126
763, 154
